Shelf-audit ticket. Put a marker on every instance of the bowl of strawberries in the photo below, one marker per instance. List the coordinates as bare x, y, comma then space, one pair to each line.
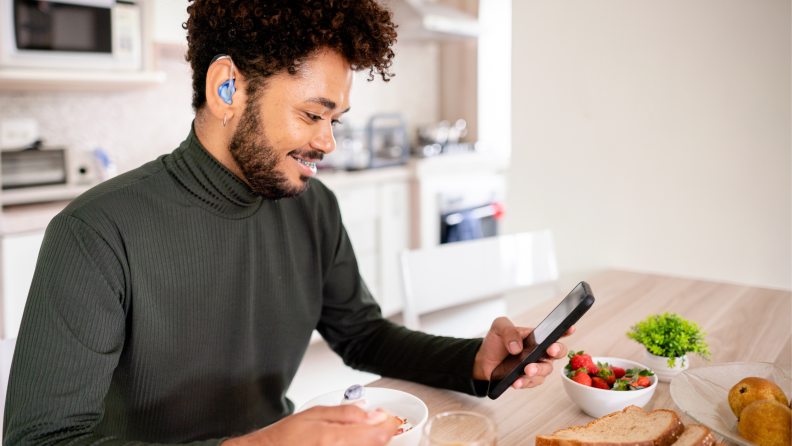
603, 385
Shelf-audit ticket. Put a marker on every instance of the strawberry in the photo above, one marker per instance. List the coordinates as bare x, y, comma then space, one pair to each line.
621, 384
606, 373
618, 371
579, 360
592, 369
599, 383
581, 377
641, 381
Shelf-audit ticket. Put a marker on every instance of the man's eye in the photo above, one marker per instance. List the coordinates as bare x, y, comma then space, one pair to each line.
335, 121
314, 118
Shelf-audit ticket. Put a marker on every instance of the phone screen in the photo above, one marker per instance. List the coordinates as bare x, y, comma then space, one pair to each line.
565, 314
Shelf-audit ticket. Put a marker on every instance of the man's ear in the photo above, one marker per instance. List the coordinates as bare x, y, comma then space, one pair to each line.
217, 86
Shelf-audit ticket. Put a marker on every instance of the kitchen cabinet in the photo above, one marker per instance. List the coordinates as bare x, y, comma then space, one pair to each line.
21, 235
375, 212
19, 254
394, 237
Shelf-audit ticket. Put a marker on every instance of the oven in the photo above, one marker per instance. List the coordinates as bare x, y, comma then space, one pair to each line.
470, 214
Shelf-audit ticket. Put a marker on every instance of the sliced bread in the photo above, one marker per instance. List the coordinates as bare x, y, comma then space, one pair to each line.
696, 435
633, 426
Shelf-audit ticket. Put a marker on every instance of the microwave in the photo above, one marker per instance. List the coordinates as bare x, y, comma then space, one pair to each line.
71, 34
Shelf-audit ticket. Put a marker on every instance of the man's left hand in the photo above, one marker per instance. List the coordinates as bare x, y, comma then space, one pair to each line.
503, 339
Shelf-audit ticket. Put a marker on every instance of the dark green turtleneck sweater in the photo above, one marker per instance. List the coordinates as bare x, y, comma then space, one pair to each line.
172, 304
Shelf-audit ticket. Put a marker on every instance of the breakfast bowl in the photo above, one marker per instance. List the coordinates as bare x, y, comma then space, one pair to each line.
396, 402
600, 402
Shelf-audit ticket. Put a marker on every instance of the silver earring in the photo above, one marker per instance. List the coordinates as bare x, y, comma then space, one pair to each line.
224, 119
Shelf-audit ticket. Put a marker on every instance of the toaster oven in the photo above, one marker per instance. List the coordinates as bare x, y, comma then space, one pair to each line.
32, 168
49, 174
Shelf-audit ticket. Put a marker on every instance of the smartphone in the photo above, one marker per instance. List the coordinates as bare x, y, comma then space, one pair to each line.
566, 314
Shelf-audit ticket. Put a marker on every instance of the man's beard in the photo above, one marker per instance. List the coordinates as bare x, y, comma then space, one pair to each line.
259, 161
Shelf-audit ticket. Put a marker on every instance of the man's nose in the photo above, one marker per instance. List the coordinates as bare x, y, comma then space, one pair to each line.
324, 140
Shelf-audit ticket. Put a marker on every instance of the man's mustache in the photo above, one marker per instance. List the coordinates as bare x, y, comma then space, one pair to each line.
308, 154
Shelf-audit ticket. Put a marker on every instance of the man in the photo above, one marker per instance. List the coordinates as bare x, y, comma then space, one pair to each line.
174, 303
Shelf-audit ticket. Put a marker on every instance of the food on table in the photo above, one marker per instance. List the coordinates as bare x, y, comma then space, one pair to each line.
355, 394
599, 383
582, 369
579, 360
617, 371
581, 377
592, 369
753, 389
405, 426
766, 423
631, 427
696, 435
642, 381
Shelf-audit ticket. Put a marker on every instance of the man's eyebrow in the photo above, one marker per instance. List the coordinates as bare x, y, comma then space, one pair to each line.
327, 103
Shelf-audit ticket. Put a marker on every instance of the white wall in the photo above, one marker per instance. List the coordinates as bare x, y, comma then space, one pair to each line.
655, 136
494, 76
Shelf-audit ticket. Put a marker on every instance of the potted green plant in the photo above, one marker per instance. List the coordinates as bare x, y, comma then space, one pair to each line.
668, 339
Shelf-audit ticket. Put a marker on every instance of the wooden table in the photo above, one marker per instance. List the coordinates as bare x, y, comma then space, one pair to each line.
743, 324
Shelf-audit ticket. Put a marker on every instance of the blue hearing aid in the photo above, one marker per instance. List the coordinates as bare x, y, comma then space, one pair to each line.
226, 89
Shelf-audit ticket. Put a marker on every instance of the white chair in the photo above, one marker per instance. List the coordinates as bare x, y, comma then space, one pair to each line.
6, 354
457, 289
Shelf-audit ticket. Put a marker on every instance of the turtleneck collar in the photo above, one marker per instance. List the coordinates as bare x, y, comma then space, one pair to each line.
209, 182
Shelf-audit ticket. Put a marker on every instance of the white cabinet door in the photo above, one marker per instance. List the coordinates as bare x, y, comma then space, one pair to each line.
168, 18
360, 214
394, 237
376, 217
357, 204
19, 255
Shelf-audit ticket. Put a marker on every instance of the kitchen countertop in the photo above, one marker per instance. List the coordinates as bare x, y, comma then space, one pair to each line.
340, 178
35, 217
24, 218
29, 217
743, 323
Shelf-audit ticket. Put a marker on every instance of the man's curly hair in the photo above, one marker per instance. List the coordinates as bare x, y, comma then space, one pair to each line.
265, 37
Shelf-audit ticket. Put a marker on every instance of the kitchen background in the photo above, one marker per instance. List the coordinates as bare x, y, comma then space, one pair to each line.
652, 136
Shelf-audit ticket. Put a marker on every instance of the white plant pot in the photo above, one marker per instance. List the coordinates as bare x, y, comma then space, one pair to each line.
659, 365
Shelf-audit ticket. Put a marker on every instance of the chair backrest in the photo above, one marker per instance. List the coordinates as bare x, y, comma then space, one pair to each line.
6, 354
457, 273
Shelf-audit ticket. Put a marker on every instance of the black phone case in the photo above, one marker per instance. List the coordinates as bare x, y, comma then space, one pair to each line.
573, 317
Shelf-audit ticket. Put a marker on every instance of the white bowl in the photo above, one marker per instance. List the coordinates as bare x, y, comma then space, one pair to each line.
396, 402
600, 402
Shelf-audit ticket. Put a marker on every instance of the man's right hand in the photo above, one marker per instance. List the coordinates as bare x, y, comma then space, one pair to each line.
324, 426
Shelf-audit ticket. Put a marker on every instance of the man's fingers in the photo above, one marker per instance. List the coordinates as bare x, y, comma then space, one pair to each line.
569, 332
533, 382
528, 383
538, 369
347, 414
557, 351
379, 434
512, 340
524, 331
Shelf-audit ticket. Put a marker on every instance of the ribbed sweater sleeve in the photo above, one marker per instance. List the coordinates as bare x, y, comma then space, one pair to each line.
71, 337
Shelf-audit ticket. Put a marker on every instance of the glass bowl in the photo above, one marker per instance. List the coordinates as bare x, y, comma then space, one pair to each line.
703, 393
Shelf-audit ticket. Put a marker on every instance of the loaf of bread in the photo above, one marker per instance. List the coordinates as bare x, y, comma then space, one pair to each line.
631, 427
696, 435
